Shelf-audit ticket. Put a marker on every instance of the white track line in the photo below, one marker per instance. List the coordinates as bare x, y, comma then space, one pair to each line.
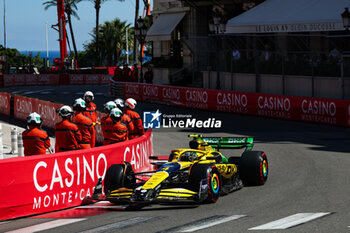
101, 207
118, 225
209, 223
290, 221
47, 225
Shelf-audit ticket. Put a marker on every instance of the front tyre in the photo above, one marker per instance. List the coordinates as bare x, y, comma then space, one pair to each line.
253, 168
210, 175
214, 187
117, 176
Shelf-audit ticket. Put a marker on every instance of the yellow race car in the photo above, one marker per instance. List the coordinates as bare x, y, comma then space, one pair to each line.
198, 174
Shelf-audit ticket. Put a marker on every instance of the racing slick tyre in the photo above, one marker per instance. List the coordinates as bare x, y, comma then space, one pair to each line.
117, 176
253, 168
211, 174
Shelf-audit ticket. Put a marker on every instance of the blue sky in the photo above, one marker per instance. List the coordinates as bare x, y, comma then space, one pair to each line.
25, 22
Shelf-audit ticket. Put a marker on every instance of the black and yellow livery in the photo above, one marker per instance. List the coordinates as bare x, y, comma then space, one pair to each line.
198, 174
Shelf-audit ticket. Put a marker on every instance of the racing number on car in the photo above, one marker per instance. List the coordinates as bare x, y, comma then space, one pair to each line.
226, 170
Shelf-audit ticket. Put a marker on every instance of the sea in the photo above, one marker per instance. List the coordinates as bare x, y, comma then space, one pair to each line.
55, 54
52, 54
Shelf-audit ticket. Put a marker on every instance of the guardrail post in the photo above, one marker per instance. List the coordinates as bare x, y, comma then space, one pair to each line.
20, 145
14, 148
1, 147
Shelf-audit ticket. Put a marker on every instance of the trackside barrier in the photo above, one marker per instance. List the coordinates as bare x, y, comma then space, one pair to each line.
23, 106
5, 103
1, 145
316, 110
30, 79
43, 183
10, 80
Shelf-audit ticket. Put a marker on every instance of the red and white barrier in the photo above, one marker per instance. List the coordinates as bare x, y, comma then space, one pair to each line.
43, 183
83, 79
318, 110
23, 106
30, 79
5, 103
10, 80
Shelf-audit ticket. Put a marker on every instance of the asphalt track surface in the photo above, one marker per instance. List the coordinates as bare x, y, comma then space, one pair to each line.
308, 189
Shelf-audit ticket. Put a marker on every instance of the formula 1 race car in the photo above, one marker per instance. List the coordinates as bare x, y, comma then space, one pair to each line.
198, 174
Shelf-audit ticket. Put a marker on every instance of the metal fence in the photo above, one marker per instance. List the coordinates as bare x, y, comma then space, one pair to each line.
285, 54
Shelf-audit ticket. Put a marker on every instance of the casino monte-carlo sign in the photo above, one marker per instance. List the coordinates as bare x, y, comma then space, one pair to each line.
300, 27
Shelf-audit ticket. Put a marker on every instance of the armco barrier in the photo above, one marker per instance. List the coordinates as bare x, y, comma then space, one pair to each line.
43, 183
81, 79
317, 110
23, 106
30, 79
5, 103
10, 80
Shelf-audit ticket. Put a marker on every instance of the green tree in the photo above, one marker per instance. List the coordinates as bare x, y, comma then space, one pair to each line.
113, 40
112, 36
70, 8
97, 5
15, 59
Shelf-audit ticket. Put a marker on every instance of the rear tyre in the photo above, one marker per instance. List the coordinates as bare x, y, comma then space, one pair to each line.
253, 168
211, 175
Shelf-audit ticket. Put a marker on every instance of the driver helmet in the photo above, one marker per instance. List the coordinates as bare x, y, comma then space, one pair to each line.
88, 96
79, 104
34, 119
65, 111
130, 103
109, 106
189, 156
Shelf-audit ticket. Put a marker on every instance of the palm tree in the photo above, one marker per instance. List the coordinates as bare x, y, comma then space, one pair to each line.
70, 10
112, 40
97, 5
135, 50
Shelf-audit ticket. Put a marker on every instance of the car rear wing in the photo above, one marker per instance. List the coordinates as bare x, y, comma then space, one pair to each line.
227, 142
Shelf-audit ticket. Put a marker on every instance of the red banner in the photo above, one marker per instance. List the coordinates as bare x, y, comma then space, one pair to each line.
76, 79
317, 110
5, 104
30, 79
92, 79
23, 106
52, 182
10, 80
81, 79
48, 79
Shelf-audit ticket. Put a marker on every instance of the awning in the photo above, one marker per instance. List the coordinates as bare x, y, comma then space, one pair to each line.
274, 16
163, 26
